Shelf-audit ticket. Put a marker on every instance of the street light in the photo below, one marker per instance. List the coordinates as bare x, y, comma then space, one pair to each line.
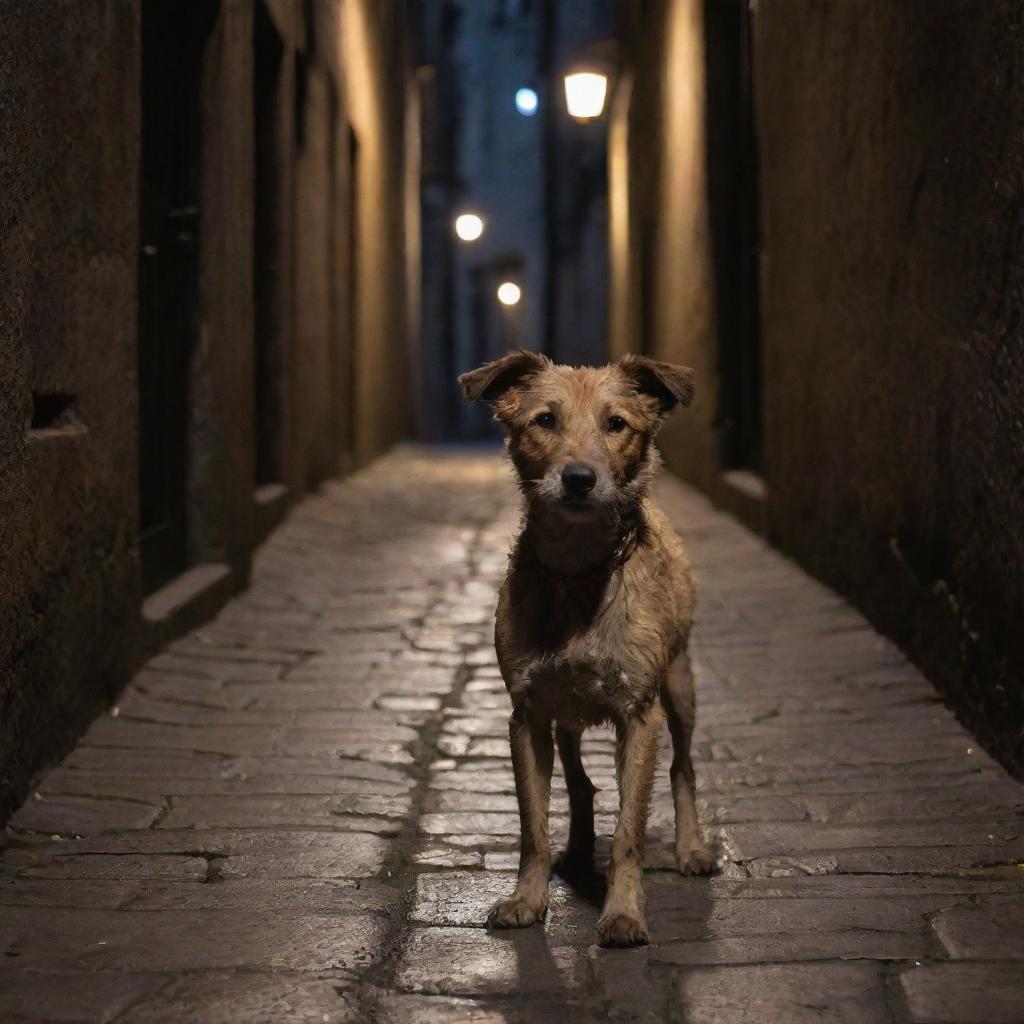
469, 226
527, 101
585, 93
509, 293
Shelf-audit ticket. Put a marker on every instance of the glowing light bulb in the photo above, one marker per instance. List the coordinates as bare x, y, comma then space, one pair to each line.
527, 101
469, 227
509, 293
585, 93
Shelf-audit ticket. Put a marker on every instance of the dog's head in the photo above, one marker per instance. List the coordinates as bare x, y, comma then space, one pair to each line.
581, 437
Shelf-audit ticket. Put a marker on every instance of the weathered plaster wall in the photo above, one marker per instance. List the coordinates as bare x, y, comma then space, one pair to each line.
221, 446
277, 406
682, 322
71, 627
315, 270
661, 295
350, 351
375, 48
69, 577
892, 143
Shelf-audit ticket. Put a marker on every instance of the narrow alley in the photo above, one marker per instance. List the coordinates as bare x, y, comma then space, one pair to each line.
278, 277
302, 810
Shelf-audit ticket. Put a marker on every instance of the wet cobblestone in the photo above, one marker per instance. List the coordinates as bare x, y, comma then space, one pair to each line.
302, 811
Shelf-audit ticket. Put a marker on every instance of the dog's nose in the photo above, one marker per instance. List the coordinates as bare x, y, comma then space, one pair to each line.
578, 479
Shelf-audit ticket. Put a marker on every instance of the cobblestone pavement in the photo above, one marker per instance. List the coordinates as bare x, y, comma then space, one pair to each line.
302, 811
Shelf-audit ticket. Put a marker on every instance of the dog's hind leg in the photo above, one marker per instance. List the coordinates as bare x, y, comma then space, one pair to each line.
622, 920
532, 760
692, 856
579, 855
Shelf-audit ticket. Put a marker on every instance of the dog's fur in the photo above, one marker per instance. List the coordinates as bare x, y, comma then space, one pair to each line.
587, 631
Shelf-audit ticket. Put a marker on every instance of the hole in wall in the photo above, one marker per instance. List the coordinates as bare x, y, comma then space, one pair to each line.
53, 412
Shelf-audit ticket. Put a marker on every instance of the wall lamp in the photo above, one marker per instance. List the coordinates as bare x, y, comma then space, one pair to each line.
585, 93
588, 80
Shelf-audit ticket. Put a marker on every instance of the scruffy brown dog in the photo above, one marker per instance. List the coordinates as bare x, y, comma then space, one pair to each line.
593, 618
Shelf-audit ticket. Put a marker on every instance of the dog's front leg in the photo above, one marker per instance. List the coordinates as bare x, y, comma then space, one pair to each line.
532, 757
622, 921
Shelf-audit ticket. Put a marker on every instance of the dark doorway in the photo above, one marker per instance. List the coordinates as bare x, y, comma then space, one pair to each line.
735, 233
333, 437
268, 292
646, 256
173, 42
351, 397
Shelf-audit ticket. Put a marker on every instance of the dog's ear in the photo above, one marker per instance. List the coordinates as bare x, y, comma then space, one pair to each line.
663, 385
489, 382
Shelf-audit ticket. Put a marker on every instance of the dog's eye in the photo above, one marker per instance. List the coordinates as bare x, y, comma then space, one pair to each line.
546, 420
616, 424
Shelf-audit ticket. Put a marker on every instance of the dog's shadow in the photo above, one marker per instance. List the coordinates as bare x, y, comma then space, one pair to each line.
584, 881
588, 881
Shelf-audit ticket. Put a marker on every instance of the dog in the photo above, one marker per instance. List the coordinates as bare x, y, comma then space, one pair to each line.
593, 618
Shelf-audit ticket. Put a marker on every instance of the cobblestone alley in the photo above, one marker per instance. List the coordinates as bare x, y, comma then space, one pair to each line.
302, 811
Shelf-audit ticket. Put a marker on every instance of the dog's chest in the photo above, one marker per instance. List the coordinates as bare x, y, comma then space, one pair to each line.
577, 692
585, 663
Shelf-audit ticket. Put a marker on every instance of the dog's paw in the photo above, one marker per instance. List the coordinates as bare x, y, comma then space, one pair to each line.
696, 861
622, 930
516, 912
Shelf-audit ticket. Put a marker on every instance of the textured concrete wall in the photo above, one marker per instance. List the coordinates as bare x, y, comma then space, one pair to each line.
275, 334
70, 78
892, 274
893, 197
351, 356
221, 443
662, 299
68, 208
682, 321
315, 270
375, 49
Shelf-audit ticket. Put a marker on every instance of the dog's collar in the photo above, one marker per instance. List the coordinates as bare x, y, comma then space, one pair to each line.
619, 557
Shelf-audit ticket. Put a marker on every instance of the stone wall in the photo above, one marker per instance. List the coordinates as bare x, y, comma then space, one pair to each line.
375, 46
892, 140
661, 302
289, 380
69, 578
891, 271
